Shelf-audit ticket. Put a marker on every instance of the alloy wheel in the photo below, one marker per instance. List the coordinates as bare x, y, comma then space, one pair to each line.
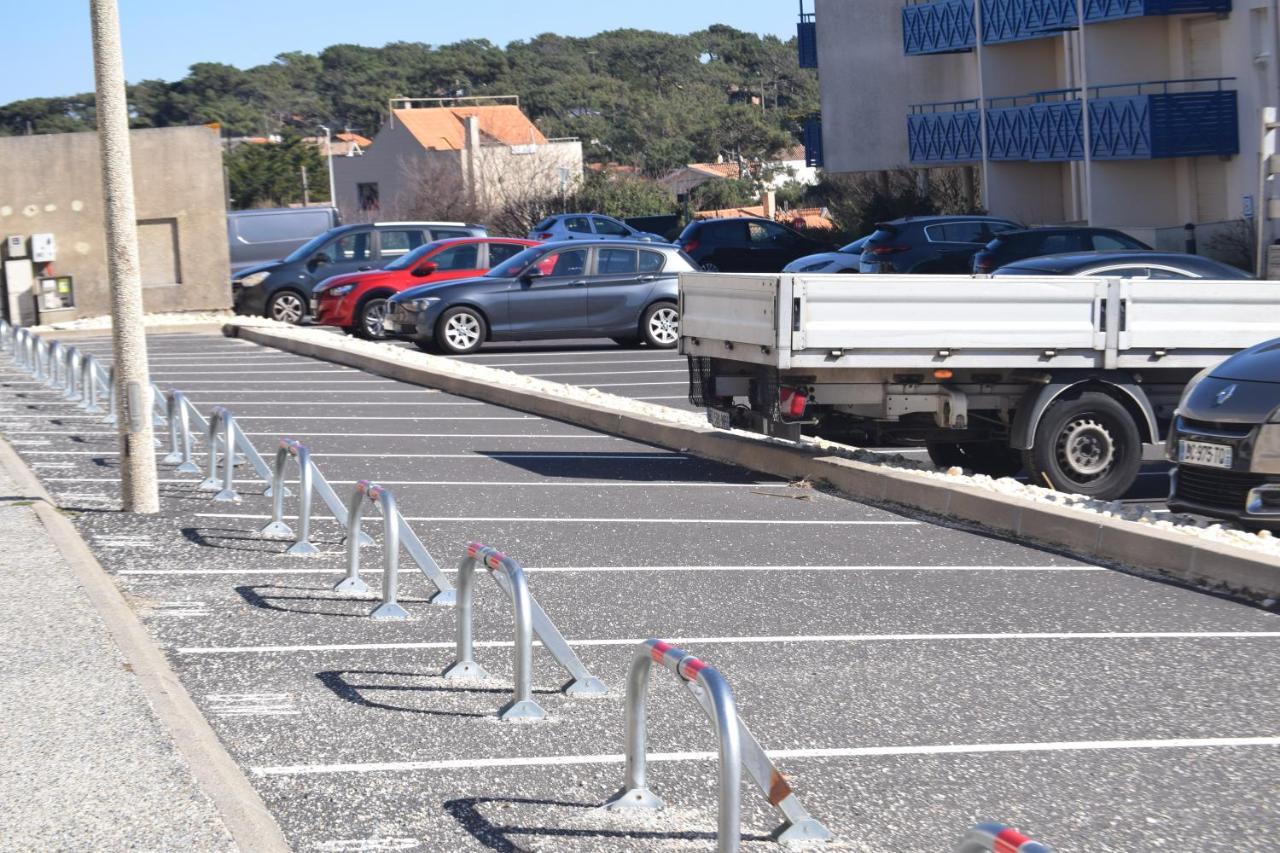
664, 326
287, 308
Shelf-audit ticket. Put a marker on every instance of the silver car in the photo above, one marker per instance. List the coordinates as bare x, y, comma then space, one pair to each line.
588, 226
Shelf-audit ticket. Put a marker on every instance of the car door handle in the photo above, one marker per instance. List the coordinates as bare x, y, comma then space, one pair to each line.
365, 268
647, 278
580, 283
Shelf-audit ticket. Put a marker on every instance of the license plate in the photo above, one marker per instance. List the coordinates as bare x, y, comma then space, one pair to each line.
390, 325
719, 419
1204, 453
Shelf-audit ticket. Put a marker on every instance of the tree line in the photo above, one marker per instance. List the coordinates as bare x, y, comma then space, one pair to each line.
642, 98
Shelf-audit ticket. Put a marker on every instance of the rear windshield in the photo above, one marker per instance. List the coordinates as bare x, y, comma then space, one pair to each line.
545, 224
883, 235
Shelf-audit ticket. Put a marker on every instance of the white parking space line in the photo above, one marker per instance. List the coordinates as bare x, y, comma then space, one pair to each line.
274, 403
370, 381
769, 640
796, 522
608, 484
595, 570
498, 456
355, 435
234, 370
637, 384
775, 754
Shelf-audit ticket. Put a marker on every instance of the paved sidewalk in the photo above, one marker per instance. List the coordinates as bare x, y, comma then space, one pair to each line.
84, 762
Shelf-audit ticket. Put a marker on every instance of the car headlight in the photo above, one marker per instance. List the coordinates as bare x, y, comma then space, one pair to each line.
342, 290
1266, 450
253, 280
422, 304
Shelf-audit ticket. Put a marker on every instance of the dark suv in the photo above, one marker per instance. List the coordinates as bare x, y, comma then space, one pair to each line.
930, 244
1011, 246
745, 244
282, 289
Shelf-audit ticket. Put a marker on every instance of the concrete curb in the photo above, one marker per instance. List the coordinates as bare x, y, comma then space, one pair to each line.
1098, 538
243, 812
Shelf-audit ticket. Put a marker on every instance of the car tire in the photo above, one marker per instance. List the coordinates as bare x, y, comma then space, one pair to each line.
287, 306
1087, 444
993, 458
660, 325
370, 315
461, 330
426, 345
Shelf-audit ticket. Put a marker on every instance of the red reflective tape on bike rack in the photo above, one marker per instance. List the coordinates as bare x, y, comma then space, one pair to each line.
779, 788
689, 667
658, 650
1008, 841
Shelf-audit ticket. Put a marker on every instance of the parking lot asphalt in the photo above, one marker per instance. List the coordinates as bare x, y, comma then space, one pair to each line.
910, 678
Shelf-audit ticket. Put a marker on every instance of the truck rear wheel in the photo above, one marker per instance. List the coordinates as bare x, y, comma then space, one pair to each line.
992, 458
1088, 445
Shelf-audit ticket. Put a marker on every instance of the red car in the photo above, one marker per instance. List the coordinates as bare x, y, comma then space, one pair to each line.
358, 301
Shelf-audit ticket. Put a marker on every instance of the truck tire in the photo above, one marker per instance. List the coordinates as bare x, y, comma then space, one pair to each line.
992, 458
1088, 445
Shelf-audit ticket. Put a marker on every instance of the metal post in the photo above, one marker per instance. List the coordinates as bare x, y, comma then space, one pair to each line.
139, 489
74, 380
276, 528
113, 398
353, 583
188, 464
230, 441
328, 150
464, 664
737, 747
210, 483
389, 609
53, 379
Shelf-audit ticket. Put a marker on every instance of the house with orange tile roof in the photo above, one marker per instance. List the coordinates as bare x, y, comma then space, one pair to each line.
478, 153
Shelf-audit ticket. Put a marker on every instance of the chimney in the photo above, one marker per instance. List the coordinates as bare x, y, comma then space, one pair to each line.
769, 201
471, 132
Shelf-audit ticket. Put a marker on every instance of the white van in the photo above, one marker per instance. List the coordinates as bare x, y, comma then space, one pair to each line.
256, 236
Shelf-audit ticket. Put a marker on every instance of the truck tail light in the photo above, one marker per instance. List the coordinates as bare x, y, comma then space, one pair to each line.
792, 402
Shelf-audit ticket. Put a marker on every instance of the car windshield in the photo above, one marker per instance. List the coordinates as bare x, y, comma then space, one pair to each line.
308, 248
410, 260
513, 265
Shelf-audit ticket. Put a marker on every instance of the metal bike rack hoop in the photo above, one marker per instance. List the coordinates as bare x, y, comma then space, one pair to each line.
310, 480
737, 746
530, 619
396, 531
222, 427
991, 837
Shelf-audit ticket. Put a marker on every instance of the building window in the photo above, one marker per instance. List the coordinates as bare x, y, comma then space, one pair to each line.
368, 196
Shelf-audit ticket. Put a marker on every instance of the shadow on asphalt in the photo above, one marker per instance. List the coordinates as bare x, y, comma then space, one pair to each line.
255, 598
467, 812
337, 681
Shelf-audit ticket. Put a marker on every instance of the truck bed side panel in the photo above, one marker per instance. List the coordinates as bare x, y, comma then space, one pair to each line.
740, 308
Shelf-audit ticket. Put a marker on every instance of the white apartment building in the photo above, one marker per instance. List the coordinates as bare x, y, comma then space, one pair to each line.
1174, 92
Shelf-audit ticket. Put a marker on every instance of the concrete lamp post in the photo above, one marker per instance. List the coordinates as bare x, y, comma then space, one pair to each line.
132, 388
328, 150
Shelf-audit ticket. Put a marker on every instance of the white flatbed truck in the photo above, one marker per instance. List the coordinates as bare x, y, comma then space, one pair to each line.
1074, 380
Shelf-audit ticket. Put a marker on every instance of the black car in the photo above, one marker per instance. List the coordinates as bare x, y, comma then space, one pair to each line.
282, 289
1011, 246
1127, 264
617, 289
745, 244
1225, 440
930, 244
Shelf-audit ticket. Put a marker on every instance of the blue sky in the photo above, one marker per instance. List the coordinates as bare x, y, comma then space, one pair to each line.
45, 48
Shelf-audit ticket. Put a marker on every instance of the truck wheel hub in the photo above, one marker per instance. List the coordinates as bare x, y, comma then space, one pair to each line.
1086, 448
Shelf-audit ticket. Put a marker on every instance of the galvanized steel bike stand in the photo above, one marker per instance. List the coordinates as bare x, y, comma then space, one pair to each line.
310, 480
530, 619
998, 838
738, 748
395, 531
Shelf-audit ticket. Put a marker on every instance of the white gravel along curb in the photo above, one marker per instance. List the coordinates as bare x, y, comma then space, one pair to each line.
1177, 546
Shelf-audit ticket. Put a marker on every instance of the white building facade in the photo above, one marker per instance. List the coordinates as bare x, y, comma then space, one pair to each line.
1169, 92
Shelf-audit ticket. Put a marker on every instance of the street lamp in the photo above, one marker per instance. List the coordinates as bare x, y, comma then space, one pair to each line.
328, 150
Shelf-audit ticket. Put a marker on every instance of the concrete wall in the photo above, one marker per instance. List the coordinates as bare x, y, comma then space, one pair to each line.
53, 184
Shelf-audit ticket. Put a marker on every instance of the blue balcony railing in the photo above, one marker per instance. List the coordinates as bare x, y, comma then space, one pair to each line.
1127, 121
807, 40
944, 26
813, 141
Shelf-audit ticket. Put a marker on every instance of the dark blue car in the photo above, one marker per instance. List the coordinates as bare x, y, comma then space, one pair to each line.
606, 289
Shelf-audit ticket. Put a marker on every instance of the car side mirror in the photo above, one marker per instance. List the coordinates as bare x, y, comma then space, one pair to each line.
531, 274
424, 269
316, 261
